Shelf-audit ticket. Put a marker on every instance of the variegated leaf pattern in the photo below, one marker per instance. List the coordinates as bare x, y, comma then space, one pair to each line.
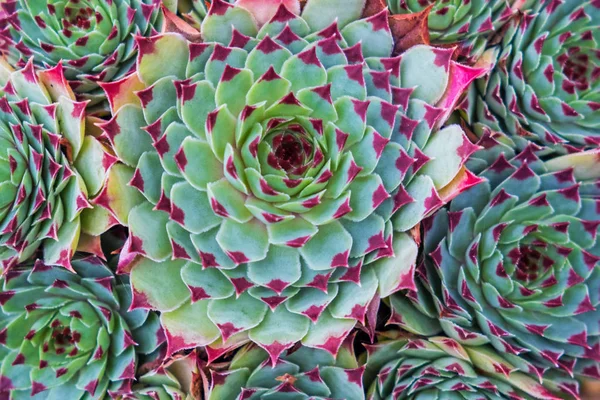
194, 11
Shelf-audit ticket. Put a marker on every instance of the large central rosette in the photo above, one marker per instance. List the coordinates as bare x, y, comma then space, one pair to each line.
282, 168
514, 263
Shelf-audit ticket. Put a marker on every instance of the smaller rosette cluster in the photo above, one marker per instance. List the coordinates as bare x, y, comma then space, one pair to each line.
93, 38
514, 263
280, 169
545, 83
442, 368
49, 167
157, 384
469, 24
301, 374
69, 335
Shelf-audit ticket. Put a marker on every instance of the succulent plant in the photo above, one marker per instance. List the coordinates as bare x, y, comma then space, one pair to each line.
544, 86
49, 166
93, 38
158, 384
514, 263
69, 335
303, 373
467, 23
167, 378
442, 368
281, 171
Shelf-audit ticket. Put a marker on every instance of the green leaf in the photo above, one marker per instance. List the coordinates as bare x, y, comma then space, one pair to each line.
189, 326
321, 13
218, 25
278, 270
234, 315
159, 284
329, 248
245, 242
279, 331
160, 56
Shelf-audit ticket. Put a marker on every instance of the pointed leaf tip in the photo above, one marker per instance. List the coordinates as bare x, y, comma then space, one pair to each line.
264, 10
174, 24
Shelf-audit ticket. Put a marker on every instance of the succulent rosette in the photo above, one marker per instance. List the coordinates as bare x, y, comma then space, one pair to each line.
69, 335
93, 38
442, 368
303, 373
281, 169
514, 263
158, 384
544, 86
469, 24
49, 166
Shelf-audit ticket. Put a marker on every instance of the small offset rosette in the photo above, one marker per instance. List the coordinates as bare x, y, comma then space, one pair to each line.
69, 334
301, 374
442, 368
51, 164
545, 84
94, 39
514, 263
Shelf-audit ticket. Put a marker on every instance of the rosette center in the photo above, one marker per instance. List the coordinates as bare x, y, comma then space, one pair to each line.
77, 14
292, 149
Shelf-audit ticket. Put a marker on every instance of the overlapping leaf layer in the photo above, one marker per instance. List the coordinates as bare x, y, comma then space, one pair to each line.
469, 24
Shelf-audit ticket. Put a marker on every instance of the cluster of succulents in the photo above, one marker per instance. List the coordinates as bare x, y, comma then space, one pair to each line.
299, 199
